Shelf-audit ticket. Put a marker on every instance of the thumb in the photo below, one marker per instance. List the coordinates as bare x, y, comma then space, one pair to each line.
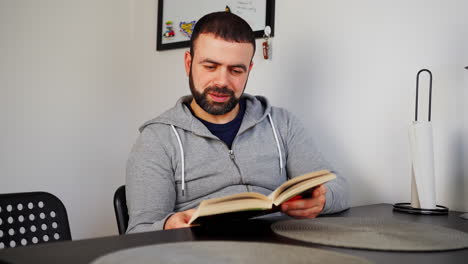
188, 214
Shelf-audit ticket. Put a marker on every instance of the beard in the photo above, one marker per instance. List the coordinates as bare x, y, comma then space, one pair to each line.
214, 108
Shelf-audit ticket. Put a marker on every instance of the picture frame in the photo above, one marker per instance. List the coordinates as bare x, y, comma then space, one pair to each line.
176, 18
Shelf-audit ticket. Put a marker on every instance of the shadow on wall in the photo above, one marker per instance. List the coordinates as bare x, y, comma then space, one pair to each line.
460, 184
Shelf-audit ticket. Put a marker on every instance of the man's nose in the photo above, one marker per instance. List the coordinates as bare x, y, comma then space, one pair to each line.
221, 78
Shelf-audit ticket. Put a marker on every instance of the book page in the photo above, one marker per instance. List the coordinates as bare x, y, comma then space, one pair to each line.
234, 205
300, 187
294, 181
237, 196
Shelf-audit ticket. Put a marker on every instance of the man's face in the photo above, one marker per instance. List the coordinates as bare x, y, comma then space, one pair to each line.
218, 72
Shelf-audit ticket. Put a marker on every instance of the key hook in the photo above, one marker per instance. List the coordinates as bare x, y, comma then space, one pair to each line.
417, 94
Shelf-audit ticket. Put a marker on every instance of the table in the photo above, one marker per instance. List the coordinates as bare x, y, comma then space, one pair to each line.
84, 251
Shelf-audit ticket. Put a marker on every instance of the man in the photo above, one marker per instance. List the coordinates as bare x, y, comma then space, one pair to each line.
220, 141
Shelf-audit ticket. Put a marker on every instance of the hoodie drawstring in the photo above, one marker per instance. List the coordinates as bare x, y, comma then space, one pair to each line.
181, 158
277, 143
182, 151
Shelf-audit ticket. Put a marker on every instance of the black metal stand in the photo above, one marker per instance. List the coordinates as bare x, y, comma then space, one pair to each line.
407, 208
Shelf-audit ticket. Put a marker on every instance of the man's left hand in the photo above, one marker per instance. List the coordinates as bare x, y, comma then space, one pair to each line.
306, 207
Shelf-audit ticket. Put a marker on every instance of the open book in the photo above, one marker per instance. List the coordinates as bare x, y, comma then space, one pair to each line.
250, 204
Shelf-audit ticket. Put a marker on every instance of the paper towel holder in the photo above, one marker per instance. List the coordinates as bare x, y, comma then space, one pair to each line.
417, 95
406, 207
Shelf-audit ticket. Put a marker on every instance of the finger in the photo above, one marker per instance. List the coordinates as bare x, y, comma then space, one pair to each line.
319, 190
171, 222
179, 221
306, 213
304, 203
182, 224
324, 189
316, 192
188, 214
183, 218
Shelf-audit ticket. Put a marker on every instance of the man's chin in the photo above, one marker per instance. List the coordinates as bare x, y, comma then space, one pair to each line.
218, 105
217, 110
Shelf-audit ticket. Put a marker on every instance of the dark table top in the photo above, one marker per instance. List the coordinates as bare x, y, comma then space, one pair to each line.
85, 251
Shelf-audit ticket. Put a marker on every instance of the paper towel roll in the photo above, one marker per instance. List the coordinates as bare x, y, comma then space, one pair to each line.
422, 172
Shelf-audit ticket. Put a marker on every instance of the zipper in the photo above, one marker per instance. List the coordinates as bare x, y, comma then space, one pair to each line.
231, 154
233, 158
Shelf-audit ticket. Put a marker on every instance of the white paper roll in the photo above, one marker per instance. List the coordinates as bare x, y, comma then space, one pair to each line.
422, 172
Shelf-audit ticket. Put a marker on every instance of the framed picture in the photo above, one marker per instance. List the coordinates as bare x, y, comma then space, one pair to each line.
177, 18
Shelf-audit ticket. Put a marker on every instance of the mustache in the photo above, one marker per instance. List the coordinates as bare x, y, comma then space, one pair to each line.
219, 90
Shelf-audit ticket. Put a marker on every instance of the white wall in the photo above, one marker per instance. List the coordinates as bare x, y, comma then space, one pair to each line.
78, 77
352, 79
67, 104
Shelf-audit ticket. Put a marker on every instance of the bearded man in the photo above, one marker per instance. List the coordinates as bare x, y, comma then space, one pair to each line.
220, 141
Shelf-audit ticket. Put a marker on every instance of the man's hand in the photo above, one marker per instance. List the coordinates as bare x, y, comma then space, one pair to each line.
307, 207
179, 220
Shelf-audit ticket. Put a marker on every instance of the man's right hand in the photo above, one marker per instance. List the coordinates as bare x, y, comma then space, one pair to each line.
179, 220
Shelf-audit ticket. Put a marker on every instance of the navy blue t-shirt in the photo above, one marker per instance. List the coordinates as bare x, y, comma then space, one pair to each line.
226, 132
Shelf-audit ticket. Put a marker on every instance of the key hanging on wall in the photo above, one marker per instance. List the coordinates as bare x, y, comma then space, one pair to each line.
266, 43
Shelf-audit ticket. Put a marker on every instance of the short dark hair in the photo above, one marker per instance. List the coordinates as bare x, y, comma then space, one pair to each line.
224, 25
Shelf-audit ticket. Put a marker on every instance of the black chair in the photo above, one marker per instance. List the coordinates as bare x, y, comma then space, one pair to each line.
120, 208
32, 218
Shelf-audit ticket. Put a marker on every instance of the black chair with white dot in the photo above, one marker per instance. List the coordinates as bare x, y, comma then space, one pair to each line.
32, 218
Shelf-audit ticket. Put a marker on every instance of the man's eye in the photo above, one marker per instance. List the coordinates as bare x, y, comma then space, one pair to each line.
237, 71
209, 67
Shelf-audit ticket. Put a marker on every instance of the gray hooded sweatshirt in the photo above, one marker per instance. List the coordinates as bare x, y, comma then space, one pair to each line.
177, 162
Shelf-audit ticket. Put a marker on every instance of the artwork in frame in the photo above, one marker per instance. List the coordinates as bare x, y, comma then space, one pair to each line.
177, 18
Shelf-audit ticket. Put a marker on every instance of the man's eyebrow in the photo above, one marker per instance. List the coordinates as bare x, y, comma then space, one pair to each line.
242, 66
210, 61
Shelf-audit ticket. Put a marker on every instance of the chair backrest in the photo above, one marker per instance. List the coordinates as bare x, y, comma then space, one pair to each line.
120, 208
32, 218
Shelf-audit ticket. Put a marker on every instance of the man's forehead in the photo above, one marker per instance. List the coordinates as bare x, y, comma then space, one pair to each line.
208, 46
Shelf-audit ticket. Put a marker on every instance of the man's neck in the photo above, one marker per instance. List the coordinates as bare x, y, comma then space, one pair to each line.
215, 119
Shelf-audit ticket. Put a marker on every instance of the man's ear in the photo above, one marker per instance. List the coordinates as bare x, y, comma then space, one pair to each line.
251, 65
187, 62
